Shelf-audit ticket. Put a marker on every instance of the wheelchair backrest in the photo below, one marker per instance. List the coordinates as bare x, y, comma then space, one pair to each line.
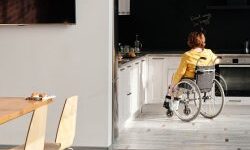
204, 76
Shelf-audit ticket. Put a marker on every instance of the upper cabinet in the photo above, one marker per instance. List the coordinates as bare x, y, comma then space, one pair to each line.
123, 7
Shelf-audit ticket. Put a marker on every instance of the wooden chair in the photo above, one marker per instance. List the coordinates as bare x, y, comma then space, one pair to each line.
65, 131
66, 127
36, 132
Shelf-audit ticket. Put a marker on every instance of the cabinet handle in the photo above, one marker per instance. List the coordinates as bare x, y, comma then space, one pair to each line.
122, 69
129, 93
142, 60
137, 63
157, 58
128, 66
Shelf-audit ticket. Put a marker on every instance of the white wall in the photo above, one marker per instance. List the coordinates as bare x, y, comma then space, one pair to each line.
64, 60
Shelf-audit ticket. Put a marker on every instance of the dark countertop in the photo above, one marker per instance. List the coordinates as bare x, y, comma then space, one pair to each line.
177, 51
130, 59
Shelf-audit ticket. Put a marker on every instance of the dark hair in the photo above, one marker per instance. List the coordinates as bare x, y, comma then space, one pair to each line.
196, 39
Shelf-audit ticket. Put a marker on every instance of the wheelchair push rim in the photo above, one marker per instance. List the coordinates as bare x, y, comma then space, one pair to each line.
189, 103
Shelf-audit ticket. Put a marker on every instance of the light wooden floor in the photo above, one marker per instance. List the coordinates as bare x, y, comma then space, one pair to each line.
153, 130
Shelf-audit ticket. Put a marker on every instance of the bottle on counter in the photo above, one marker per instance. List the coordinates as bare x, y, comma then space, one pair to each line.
120, 48
138, 44
120, 52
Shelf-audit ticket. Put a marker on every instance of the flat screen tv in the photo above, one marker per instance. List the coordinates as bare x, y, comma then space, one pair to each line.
37, 11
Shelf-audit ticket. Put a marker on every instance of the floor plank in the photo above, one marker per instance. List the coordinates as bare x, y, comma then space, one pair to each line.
153, 130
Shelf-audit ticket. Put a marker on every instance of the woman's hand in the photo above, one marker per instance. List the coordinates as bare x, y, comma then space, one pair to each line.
217, 60
170, 90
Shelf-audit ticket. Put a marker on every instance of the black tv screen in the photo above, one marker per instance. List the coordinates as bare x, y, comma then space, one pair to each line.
37, 11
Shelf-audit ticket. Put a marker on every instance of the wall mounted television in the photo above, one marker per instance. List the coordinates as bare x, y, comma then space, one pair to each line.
37, 11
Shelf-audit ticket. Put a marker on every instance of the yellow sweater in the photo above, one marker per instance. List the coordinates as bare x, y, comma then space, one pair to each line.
188, 62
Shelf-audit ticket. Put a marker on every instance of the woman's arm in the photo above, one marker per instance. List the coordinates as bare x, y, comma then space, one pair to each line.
178, 74
180, 71
214, 58
217, 60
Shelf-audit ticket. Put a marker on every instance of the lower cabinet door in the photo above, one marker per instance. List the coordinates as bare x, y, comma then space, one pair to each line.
156, 79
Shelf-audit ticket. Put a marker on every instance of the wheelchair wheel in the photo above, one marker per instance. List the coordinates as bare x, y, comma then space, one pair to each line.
189, 100
213, 101
222, 81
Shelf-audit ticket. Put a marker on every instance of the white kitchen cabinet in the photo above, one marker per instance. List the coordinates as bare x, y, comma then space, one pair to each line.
135, 87
128, 91
160, 71
172, 64
143, 80
157, 79
123, 94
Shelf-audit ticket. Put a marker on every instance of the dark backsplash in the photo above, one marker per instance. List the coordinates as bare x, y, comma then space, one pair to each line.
165, 24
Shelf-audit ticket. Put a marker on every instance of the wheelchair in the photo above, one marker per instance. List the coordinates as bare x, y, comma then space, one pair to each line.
202, 95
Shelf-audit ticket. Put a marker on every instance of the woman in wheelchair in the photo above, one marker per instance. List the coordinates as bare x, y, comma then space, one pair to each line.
194, 82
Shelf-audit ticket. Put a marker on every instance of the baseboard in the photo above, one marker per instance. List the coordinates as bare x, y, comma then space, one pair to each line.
74, 147
6, 146
89, 148
137, 113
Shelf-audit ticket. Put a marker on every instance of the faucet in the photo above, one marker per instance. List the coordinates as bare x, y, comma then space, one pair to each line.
246, 46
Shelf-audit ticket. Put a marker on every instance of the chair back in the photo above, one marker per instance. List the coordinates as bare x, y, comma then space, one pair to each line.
67, 124
35, 136
204, 76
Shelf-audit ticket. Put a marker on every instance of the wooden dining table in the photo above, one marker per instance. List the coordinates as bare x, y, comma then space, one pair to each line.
14, 107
